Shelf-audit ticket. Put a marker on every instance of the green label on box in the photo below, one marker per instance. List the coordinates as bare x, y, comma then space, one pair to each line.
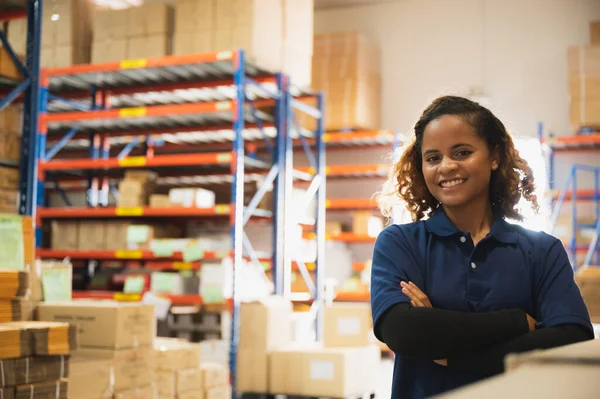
134, 285
162, 248
138, 233
162, 282
56, 283
193, 252
11, 242
212, 294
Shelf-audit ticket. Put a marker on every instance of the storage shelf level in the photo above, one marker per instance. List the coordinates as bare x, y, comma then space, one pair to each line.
118, 212
126, 297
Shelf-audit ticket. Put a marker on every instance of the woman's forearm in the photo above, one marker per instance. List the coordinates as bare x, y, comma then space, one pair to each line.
429, 333
490, 361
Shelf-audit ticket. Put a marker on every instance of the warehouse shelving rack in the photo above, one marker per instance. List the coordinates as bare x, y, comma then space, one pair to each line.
571, 192
196, 119
26, 89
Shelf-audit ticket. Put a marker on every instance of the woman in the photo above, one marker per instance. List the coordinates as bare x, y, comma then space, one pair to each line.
453, 294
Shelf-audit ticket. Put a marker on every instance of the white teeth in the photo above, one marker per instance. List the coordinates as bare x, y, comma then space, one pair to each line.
452, 183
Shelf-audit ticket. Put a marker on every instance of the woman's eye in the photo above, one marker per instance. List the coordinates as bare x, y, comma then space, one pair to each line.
463, 153
433, 158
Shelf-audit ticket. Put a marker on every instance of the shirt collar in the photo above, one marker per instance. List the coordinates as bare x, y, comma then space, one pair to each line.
440, 225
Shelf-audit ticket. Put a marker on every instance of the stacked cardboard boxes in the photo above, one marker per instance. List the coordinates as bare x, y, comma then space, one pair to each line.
135, 188
9, 185
35, 359
346, 66
346, 365
365, 223
179, 372
14, 289
115, 342
584, 83
134, 33
265, 327
66, 33
276, 34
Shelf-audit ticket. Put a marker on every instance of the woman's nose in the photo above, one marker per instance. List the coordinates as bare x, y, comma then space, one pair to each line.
448, 165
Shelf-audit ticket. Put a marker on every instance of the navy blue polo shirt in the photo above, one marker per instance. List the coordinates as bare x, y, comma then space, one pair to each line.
510, 268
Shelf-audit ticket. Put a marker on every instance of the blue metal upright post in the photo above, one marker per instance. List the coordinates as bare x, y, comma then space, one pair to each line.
279, 188
237, 207
320, 218
31, 105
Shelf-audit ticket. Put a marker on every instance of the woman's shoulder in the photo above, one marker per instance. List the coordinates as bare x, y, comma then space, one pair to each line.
537, 239
401, 231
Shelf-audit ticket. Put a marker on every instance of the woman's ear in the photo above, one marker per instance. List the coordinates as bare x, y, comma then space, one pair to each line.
495, 159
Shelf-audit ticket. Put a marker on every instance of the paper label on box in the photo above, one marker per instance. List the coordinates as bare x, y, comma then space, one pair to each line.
320, 370
348, 326
137, 233
162, 248
11, 244
212, 294
56, 284
193, 252
163, 282
134, 284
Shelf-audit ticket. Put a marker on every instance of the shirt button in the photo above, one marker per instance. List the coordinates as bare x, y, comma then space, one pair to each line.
463, 239
473, 265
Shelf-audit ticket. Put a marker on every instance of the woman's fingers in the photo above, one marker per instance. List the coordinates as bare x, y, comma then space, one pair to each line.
415, 294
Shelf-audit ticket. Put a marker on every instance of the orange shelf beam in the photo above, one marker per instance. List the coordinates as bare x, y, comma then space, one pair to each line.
139, 161
121, 254
12, 15
580, 194
357, 203
349, 296
112, 212
142, 63
123, 297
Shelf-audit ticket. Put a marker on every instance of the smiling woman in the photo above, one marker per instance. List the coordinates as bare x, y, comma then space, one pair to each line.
453, 294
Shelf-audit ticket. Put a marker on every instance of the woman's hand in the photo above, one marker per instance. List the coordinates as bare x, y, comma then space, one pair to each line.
417, 297
531, 322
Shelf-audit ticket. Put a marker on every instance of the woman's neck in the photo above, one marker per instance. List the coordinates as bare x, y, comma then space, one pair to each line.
475, 218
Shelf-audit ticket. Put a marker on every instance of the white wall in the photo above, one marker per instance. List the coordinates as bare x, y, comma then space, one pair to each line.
512, 51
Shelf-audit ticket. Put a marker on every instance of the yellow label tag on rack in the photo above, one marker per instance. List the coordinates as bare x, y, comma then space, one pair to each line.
327, 170
128, 254
132, 64
221, 209
224, 158
132, 161
123, 297
327, 203
225, 55
183, 265
223, 105
136, 211
132, 112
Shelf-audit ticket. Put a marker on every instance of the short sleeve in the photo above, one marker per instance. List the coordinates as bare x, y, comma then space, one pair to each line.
393, 262
558, 300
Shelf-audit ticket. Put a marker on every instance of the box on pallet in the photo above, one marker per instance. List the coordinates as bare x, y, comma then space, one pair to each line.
171, 354
324, 372
105, 324
137, 393
121, 369
265, 326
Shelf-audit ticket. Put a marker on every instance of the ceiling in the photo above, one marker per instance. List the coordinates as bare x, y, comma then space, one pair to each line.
321, 4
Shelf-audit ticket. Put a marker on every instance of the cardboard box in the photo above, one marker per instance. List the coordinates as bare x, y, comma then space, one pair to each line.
92, 235
110, 25
137, 393
214, 351
90, 378
65, 234
189, 380
192, 395
573, 370
18, 309
11, 119
105, 324
364, 223
164, 382
348, 325
220, 392
265, 326
151, 46
33, 370
10, 146
109, 50
214, 375
333, 228
159, 201
9, 201
192, 43
8, 69
324, 372
116, 234
171, 354
150, 19
595, 33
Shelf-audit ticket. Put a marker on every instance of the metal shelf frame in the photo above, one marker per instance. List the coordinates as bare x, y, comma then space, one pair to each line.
28, 89
87, 107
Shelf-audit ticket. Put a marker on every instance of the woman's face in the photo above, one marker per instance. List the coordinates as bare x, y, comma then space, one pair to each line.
457, 164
